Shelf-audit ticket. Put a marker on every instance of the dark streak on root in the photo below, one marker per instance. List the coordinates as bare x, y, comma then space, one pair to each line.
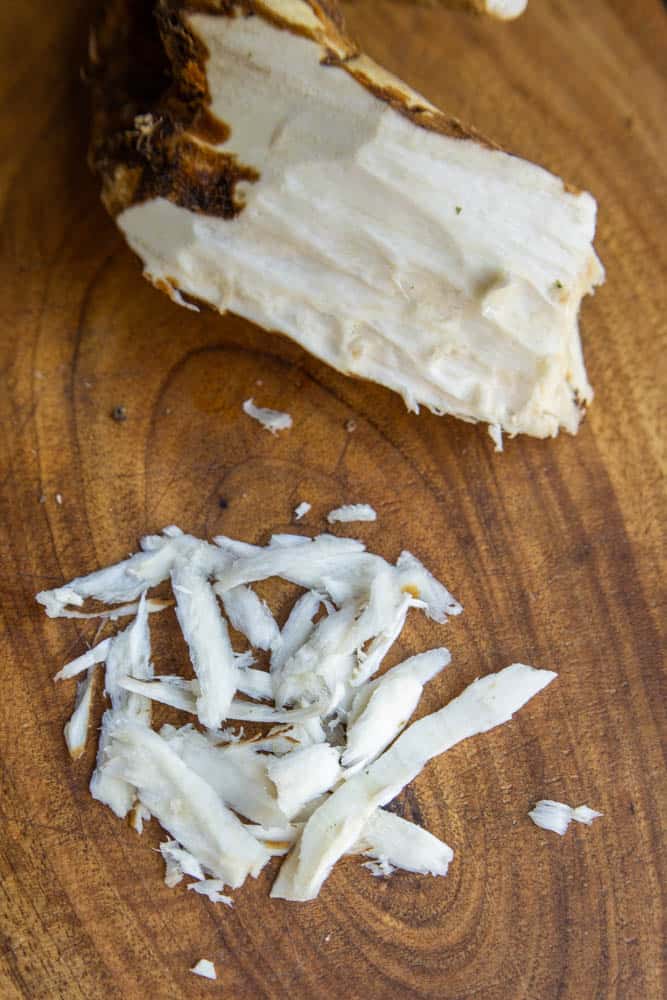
153, 131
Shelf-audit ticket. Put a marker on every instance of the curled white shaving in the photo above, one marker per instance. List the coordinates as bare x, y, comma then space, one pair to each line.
383, 707
301, 510
394, 842
153, 605
303, 564
76, 729
421, 583
249, 615
206, 634
97, 654
272, 420
179, 696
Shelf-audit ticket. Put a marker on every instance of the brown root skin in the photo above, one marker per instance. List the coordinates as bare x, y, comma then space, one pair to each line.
153, 132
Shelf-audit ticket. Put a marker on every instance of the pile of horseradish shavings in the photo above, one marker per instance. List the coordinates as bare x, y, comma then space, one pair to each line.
337, 746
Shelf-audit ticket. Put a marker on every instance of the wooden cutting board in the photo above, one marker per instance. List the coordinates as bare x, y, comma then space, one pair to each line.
556, 549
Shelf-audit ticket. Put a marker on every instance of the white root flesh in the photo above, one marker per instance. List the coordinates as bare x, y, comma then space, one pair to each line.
464, 298
271, 420
119, 584
496, 435
557, 816
256, 684
333, 828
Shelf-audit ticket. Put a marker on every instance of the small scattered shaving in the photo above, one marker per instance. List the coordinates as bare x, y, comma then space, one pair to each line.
301, 510
205, 969
556, 816
352, 512
312, 787
272, 420
496, 435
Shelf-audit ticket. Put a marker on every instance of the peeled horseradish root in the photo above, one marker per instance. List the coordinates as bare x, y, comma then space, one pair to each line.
258, 162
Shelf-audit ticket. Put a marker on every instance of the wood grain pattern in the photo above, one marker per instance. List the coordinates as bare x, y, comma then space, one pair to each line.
555, 548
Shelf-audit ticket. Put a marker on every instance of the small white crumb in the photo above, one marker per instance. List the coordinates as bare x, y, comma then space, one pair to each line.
352, 512
42, 498
301, 510
272, 420
350, 426
557, 816
204, 968
496, 435
59, 498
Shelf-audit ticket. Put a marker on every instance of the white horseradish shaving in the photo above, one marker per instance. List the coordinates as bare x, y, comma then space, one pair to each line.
339, 744
352, 512
271, 420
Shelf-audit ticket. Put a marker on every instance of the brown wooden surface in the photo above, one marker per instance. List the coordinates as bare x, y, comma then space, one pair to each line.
555, 549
